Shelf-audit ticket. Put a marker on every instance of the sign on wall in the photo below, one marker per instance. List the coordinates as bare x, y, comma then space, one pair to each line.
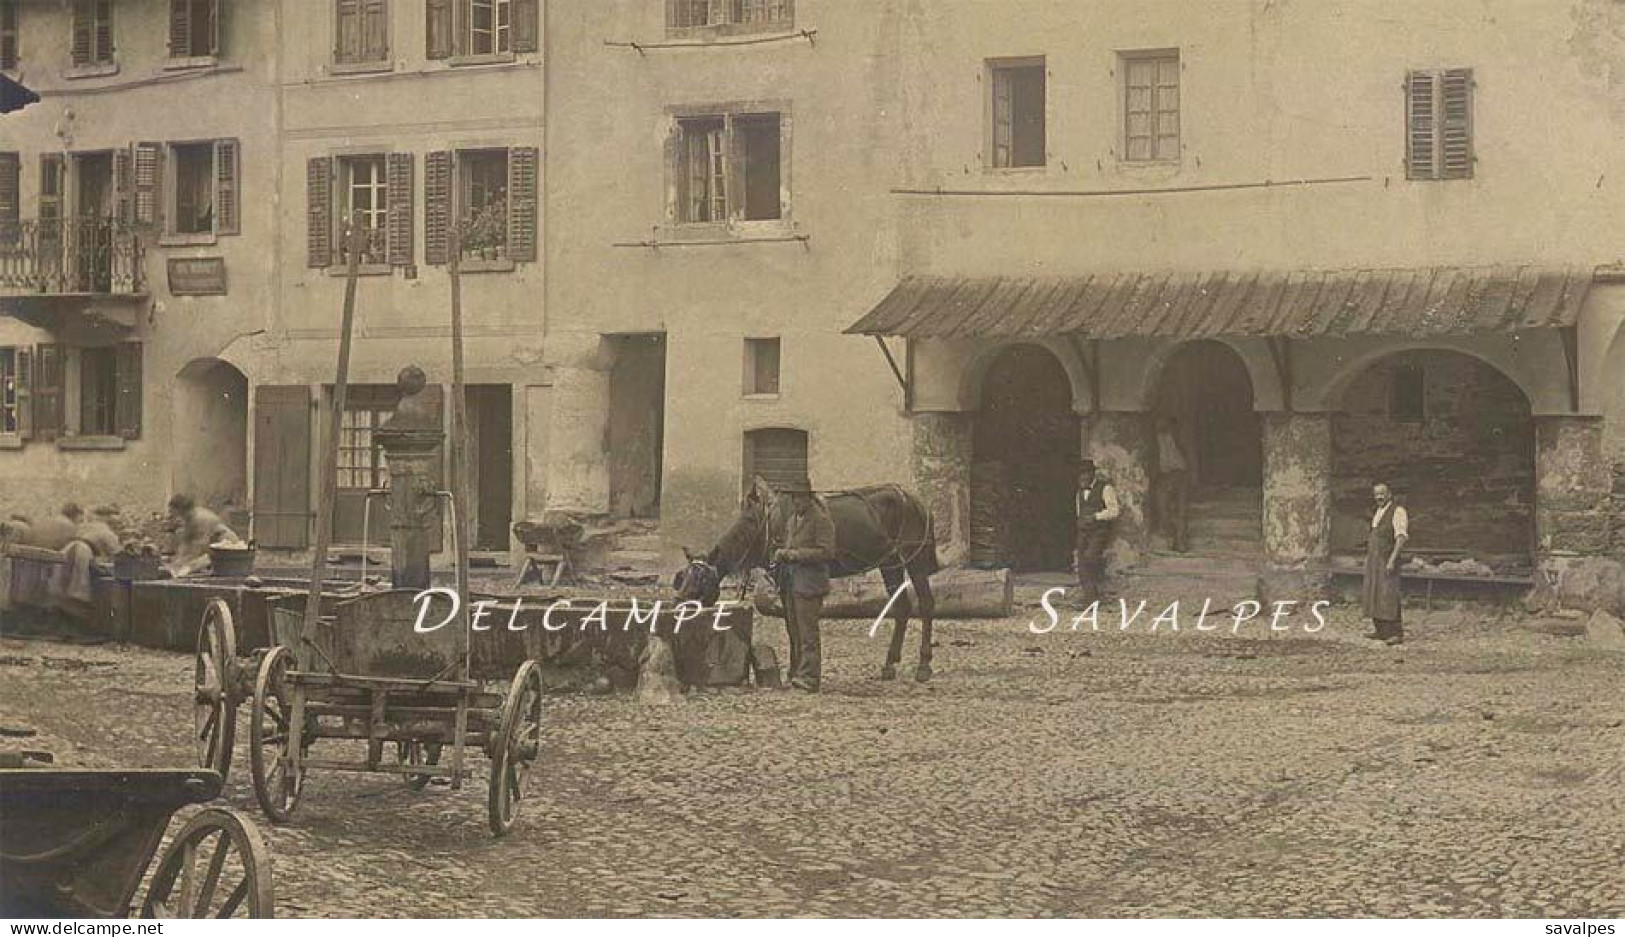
197, 276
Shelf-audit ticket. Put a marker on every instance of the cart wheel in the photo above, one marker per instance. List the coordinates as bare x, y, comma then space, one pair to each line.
275, 787
417, 753
218, 866
517, 741
214, 710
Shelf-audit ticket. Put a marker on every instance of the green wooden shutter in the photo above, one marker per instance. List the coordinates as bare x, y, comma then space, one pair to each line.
83, 45
375, 31
123, 186
180, 29
438, 24
319, 211
1456, 124
437, 207
25, 384
217, 13
104, 31
127, 384
49, 377
347, 36
1003, 118
401, 221
149, 166
227, 195
526, 26
8, 34
281, 505
11, 197
1421, 126
522, 172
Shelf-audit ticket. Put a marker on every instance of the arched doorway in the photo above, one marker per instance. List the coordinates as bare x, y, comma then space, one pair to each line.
1026, 449
1206, 389
1455, 439
210, 437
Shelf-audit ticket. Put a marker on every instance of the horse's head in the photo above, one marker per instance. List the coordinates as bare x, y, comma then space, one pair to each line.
699, 581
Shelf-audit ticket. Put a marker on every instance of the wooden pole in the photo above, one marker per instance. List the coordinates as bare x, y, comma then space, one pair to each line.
459, 478
355, 242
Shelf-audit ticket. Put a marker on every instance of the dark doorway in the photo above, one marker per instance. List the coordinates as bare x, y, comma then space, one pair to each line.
1205, 387
1455, 439
1026, 452
637, 421
92, 228
490, 468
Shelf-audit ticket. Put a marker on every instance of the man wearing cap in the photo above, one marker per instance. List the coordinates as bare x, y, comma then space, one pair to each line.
809, 546
1097, 511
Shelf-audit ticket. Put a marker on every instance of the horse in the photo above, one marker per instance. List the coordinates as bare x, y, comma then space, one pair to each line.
882, 527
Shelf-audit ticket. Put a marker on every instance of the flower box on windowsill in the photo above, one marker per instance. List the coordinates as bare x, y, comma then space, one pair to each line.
486, 265
342, 269
187, 240
93, 70
184, 62
90, 443
490, 58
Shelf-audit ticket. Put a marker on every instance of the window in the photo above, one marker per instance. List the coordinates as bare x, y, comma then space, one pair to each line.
1150, 106
1018, 113
474, 28
92, 32
202, 188
194, 28
361, 460
8, 34
495, 193
762, 366
362, 32
364, 200
109, 390
1439, 124
729, 168
1408, 403
777, 455
730, 15
10, 393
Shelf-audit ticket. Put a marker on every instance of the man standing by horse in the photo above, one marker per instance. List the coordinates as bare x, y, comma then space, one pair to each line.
803, 574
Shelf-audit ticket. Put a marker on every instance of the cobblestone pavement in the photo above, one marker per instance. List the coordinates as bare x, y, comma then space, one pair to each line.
1477, 771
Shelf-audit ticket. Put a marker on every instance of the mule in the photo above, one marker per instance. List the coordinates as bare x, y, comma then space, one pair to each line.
882, 527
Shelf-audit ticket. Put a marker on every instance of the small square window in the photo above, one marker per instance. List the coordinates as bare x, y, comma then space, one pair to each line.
1408, 403
761, 366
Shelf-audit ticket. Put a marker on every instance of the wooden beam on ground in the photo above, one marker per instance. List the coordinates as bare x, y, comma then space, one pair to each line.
959, 593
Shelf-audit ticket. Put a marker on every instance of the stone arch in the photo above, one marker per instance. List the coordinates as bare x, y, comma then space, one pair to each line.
209, 434
1326, 393
1455, 436
974, 373
1253, 352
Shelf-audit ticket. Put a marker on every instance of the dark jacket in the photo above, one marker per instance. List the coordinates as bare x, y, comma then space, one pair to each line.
809, 546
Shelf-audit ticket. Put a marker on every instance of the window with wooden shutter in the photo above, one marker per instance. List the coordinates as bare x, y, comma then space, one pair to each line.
522, 172
23, 392
127, 384
319, 211
92, 33
1439, 124
8, 34
1151, 114
149, 161
11, 197
1018, 112
361, 32
194, 28
401, 220
227, 195
363, 201
123, 186
50, 375
437, 207
439, 27
51, 176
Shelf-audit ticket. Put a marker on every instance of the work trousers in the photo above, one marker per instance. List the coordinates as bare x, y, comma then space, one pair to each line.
1093, 539
801, 621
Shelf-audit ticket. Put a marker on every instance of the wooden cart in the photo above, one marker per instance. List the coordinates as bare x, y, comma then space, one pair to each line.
78, 843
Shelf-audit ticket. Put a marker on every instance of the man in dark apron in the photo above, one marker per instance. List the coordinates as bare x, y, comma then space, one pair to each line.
1390, 528
1097, 511
803, 563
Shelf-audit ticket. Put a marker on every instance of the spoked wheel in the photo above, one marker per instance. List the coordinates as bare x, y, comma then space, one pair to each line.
417, 753
276, 785
214, 710
217, 867
516, 743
